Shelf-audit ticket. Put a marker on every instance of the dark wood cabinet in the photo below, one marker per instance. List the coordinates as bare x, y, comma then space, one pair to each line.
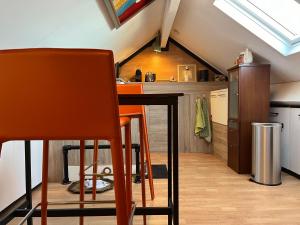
249, 93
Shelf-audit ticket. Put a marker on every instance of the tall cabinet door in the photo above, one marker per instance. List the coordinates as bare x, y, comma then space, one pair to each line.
233, 122
282, 115
233, 112
295, 140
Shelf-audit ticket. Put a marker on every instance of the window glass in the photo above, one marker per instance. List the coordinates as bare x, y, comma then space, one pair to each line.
284, 12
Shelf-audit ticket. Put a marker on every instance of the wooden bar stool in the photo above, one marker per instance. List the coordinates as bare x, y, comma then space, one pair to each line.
63, 94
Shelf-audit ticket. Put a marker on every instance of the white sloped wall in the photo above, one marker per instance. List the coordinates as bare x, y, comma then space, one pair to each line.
75, 24
286, 92
12, 170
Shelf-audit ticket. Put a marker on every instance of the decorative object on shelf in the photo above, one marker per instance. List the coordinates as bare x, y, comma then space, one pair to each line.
138, 75
150, 77
220, 77
120, 81
172, 79
248, 57
122, 10
241, 58
245, 57
186, 73
202, 75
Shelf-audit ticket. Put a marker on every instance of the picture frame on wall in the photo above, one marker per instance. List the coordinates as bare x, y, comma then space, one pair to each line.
122, 10
187, 73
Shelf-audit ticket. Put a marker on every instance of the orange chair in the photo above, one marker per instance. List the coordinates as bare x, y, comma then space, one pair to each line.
132, 112
138, 111
63, 94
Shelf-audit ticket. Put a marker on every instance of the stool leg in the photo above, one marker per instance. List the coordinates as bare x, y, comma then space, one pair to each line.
128, 154
148, 158
95, 168
142, 165
44, 201
81, 178
119, 181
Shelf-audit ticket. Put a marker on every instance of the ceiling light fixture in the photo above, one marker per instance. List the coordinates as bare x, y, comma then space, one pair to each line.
156, 43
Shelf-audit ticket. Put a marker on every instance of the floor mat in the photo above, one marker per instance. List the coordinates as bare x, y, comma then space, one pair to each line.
159, 171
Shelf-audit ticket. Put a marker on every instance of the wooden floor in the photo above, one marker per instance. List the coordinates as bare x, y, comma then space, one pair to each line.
210, 194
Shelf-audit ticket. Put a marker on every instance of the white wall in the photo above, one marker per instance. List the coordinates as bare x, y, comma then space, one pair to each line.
75, 24
12, 175
12, 170
286, 91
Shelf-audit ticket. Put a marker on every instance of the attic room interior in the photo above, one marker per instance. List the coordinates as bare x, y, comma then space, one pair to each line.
158, 112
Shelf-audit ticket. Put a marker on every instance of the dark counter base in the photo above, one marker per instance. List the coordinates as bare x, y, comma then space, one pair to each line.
285, 104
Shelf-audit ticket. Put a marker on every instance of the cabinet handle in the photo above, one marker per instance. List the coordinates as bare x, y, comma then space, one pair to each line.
274, 114
221, 95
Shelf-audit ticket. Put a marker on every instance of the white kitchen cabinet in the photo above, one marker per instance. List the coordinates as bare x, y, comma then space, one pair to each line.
219, 106
290, 141
282, 115
295, 140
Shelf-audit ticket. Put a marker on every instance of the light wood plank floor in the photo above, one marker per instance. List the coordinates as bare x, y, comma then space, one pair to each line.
210, 194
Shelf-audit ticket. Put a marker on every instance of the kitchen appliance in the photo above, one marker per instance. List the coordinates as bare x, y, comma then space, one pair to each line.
150, 77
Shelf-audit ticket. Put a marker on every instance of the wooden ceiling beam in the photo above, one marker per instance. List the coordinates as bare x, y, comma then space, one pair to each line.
171, 9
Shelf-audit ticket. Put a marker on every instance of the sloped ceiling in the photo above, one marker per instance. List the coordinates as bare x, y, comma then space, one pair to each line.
75, 24
199, 26
214, 36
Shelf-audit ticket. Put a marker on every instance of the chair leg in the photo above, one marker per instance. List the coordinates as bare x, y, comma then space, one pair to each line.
148, 158
142, 165
95, 168
119, 181
81, 177
44, 201
128, 157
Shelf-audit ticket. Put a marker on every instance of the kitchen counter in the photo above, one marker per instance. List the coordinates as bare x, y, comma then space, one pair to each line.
290, 104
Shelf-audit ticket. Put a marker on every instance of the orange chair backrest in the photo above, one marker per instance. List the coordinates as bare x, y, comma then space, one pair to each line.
58, 94
130, 89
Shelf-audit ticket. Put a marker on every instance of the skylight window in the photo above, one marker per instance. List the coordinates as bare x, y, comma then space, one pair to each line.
286, 13
277, 22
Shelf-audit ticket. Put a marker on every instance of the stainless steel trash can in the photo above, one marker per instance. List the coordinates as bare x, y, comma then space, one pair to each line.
266, 168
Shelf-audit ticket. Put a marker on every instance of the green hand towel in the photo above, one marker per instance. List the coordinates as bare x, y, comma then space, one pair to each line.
199, 120
202, 125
